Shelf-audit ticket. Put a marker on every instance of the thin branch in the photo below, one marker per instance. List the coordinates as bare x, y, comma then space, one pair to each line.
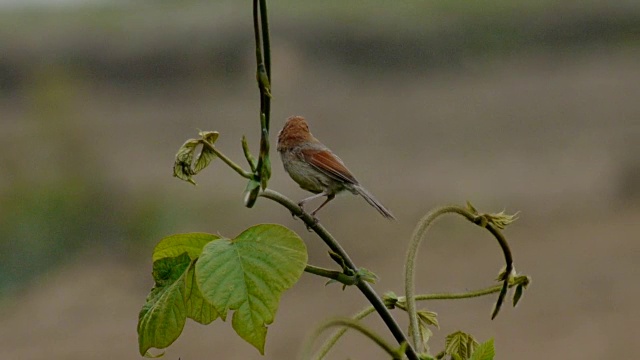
233, 165
364, 287
263, 76
266, 42
333, 275
256, 32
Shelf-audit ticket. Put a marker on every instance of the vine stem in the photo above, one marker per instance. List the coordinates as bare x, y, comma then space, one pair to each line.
363, 286
229, 162
333, 275
329, 343
353, 324
324, 350
266, 41
410, 269
410, 263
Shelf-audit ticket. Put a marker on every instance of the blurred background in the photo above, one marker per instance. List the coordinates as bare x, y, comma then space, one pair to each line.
530, 106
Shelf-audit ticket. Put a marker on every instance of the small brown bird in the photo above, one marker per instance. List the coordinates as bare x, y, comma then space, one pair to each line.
315, 168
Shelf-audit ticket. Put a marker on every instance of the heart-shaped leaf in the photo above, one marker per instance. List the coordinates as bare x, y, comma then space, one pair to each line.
248, 274
175, 295
174, 245
198, 309
164, 314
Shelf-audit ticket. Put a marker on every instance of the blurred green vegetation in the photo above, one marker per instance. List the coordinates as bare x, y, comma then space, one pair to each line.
145, 41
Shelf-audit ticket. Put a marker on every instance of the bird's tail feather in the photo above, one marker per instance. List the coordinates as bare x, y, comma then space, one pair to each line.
374, 202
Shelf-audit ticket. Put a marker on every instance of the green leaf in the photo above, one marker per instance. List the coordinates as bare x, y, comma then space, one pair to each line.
209, 136
174, 245
425, 335
184, 167
184, 158
206, 154
198, 309
425, 318
248, 274
517, 295
390, 300
460, 344
484, 351
428, 318
523, 282
502, 274
204, 159
164, 314
501, 220
367, 275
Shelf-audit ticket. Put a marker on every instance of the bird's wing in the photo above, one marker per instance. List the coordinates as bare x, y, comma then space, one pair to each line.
329, 164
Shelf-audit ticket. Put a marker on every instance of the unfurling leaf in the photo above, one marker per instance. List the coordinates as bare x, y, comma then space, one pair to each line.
484, 351
523, 282
248, 274
460, 344
425, 335
209, 136
206, 153
184, 158
501, 219
367, 275
203, 159
184, 166
428, 318
390, 300
425, 319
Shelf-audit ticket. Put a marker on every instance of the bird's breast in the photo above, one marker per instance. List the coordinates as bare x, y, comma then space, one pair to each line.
304, 174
